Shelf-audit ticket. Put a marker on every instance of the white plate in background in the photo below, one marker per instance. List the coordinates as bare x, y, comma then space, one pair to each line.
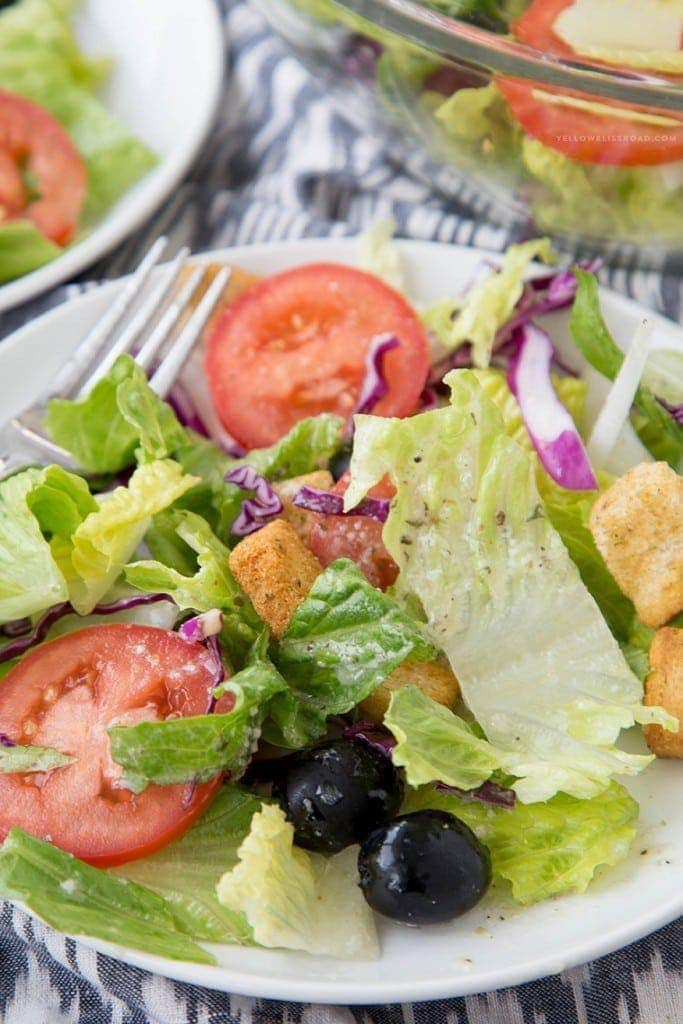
167, 71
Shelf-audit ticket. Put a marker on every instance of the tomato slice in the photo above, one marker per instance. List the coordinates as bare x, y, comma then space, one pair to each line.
65, 694
32, 142
536, 27
294, 345
617, 135
356, 537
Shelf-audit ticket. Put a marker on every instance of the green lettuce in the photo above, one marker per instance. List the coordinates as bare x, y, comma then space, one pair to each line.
308, 446
120, 420
298, 900
435, 745
664, 374
547, 849
490, 302
23, 248
41, 60
343, 642
537, 665
31, 759
197, 748
656, 428
95, 554
186, 871
379, 255
79, 899
30, 578
632, 203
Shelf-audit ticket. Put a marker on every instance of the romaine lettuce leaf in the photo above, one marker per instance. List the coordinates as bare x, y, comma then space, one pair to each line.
490, 302
435, 745
656, 428
31, 759
30, 578
536, 662
186, 871
308, 446
120, 420
79, 899
96, 553
546, 849
664, 374
298, 900
23, 248
379, 255
343, 641
199, 747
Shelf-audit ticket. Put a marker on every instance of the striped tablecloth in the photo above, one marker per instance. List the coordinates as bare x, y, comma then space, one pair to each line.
282, 163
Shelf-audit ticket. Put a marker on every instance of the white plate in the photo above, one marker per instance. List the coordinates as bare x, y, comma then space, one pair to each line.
494, 945
167, 72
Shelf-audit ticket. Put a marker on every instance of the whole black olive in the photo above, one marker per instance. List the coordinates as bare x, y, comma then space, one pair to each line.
336, 793
423, 868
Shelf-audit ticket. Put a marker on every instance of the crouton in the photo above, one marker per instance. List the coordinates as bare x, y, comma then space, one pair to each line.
638, 528
300, 518
664, 687
276, 570
435, 678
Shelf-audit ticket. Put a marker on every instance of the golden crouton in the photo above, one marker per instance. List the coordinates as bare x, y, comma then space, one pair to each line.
276, 570
638, 528
300, 518
664, 687
435, 678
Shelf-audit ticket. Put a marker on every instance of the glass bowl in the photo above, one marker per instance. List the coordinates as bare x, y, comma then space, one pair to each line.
583, 142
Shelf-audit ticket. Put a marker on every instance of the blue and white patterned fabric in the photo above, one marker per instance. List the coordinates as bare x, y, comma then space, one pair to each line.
282, 163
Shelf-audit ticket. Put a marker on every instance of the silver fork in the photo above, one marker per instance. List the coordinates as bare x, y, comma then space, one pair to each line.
140, 322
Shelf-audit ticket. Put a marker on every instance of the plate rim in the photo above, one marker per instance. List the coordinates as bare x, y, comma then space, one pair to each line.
261, 984
115, 228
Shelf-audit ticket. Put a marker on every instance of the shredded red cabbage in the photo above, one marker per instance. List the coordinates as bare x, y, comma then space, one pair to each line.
676, 411
42, 627
256, 511
5, 741
333, 504
200, 627
429, 399
380, 739
181, 403
19, 627
374, 384
488, 793
552, 431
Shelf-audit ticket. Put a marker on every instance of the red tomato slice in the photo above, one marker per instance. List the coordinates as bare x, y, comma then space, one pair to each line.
536, 27
65, 694
294, 345
591, 137
31, 140
356, 537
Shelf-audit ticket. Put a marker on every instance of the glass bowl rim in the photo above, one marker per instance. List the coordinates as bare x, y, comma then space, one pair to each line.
482, 48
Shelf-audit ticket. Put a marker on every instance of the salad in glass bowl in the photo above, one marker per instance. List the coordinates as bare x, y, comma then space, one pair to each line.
564, 116
351, 626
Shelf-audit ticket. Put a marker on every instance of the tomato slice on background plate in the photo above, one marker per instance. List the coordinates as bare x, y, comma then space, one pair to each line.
33, 145
613, 135
356, 537
65, 694
536, 27
294, 345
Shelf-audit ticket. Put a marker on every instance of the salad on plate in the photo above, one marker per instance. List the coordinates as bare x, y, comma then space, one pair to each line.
352, 625
64, 158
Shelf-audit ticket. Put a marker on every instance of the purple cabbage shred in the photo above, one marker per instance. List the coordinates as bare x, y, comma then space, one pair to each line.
256, 511
19, 627
331, 504
42, 627
376, 736
5, 741
676, 411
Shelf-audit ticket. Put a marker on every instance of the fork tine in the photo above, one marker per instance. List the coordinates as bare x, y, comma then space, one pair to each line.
175, 357
68, 377
139, 321
169, 318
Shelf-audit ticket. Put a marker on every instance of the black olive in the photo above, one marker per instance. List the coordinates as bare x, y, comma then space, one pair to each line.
423, 868
336, 793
